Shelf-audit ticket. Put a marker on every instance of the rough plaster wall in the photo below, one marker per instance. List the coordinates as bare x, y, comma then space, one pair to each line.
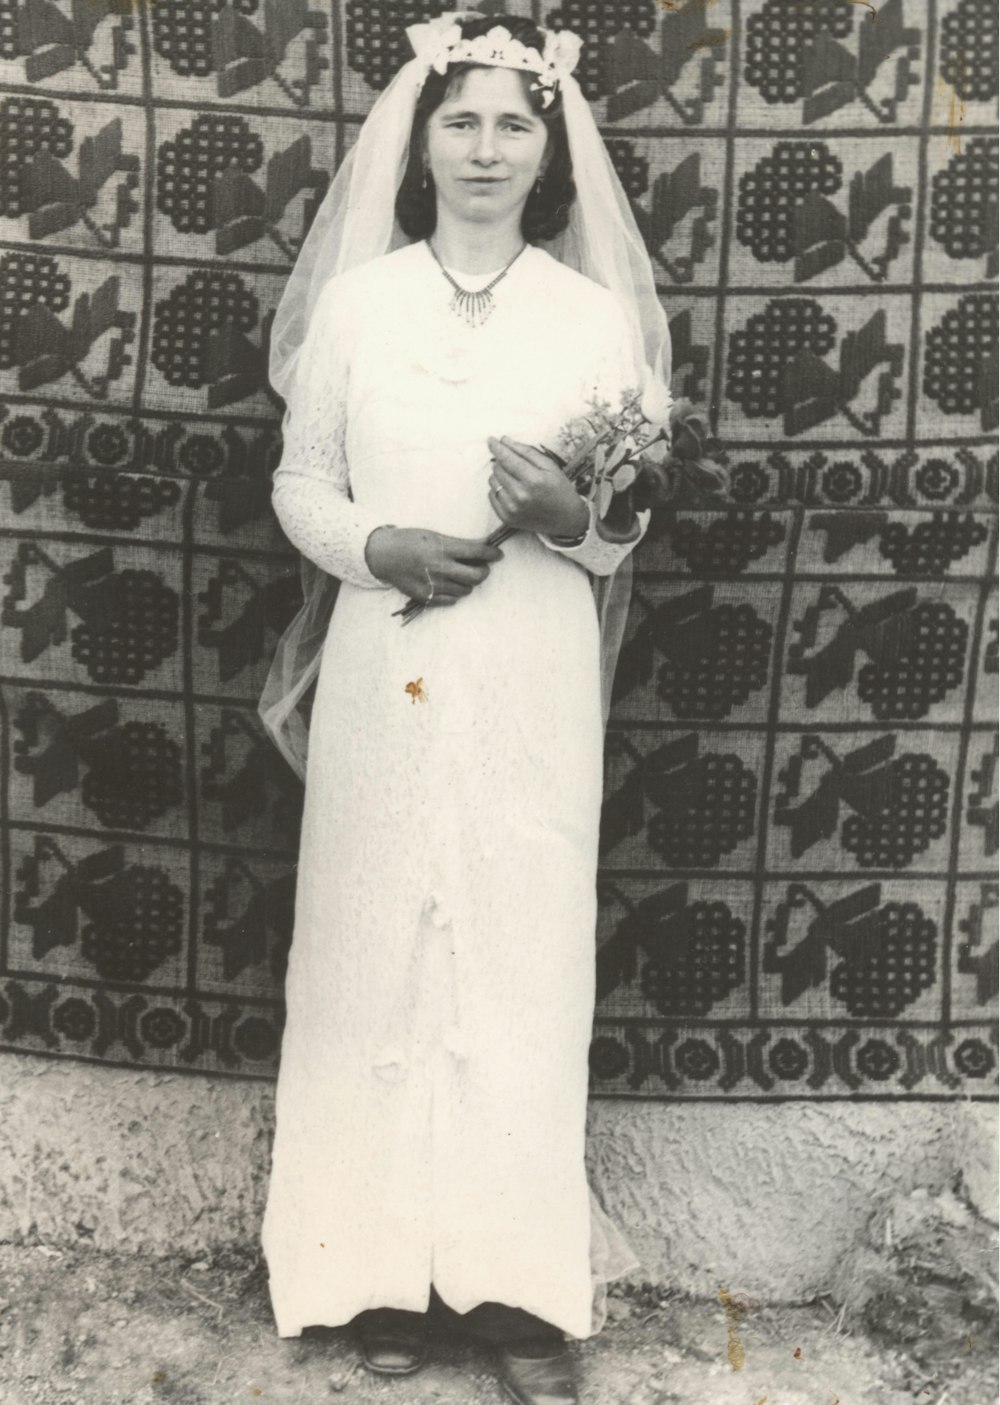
754, 1196
146, 1160
763, 1198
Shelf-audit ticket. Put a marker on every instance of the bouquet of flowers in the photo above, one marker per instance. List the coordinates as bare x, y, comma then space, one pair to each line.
646, 453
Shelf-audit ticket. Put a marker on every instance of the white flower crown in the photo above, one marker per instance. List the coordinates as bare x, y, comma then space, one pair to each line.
439, 43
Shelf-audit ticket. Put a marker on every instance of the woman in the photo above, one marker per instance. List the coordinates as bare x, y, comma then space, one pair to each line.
432, 1094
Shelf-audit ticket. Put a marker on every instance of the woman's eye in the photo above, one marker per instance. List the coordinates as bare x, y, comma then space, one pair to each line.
460, 123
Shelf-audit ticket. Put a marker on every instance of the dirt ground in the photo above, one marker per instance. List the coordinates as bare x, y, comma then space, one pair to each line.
78, 1327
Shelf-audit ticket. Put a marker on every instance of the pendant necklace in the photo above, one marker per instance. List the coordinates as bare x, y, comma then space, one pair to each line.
474, 306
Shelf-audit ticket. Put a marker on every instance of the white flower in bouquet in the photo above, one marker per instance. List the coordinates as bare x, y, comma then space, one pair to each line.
656, 402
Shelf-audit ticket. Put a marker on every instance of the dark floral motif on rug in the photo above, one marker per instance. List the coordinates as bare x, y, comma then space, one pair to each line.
797, 886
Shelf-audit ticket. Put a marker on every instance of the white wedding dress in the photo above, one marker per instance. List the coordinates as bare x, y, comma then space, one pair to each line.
432, 1094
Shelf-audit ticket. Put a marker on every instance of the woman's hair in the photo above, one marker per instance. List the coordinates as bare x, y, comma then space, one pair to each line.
546, 212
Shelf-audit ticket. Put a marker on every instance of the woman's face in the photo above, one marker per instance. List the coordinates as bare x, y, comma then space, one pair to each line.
485, 147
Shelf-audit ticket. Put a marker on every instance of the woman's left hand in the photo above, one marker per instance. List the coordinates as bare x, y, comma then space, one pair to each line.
529, 490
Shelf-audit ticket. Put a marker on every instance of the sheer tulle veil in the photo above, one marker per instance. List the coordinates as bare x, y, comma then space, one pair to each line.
356, 223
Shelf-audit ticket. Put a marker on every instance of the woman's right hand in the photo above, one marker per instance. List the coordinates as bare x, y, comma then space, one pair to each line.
429, 566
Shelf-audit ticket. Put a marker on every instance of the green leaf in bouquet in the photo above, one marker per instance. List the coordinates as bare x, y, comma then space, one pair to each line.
656, 486
623, 477
687, 441
605, 494
697, 481
656, 451
712, 473
617, 455
666, 486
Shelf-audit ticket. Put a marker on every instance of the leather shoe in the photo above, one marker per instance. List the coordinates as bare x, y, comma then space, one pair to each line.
538, 1380
393, 1342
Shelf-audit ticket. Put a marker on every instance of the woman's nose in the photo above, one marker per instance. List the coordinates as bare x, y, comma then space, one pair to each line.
485, 148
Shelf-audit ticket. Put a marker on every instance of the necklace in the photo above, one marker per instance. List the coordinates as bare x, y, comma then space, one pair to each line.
474, 305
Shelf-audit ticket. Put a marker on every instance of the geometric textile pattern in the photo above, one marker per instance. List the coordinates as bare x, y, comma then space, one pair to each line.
798, 895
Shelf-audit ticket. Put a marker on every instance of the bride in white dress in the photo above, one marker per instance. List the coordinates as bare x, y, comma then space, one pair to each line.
432, 1094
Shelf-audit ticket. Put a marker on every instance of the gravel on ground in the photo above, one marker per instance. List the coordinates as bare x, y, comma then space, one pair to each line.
81, 1327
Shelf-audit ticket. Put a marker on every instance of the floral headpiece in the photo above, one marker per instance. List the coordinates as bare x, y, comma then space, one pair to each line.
440, 43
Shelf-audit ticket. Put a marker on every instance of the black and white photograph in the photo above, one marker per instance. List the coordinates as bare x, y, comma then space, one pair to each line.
499, 743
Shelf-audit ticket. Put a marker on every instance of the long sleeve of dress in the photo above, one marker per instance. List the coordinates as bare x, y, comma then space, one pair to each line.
614, 373
311, 491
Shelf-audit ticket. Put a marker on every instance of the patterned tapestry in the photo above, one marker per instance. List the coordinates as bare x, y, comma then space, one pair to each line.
798, 890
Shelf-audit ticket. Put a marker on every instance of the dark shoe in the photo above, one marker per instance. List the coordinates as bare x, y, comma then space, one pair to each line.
393, 1341
537, 1380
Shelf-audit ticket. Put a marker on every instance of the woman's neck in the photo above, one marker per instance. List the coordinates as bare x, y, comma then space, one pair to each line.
471, 248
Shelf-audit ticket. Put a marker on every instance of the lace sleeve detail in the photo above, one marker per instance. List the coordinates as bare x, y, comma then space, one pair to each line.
613, 373
311, 492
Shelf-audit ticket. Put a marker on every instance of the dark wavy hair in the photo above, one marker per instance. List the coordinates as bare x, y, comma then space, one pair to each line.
546, 212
